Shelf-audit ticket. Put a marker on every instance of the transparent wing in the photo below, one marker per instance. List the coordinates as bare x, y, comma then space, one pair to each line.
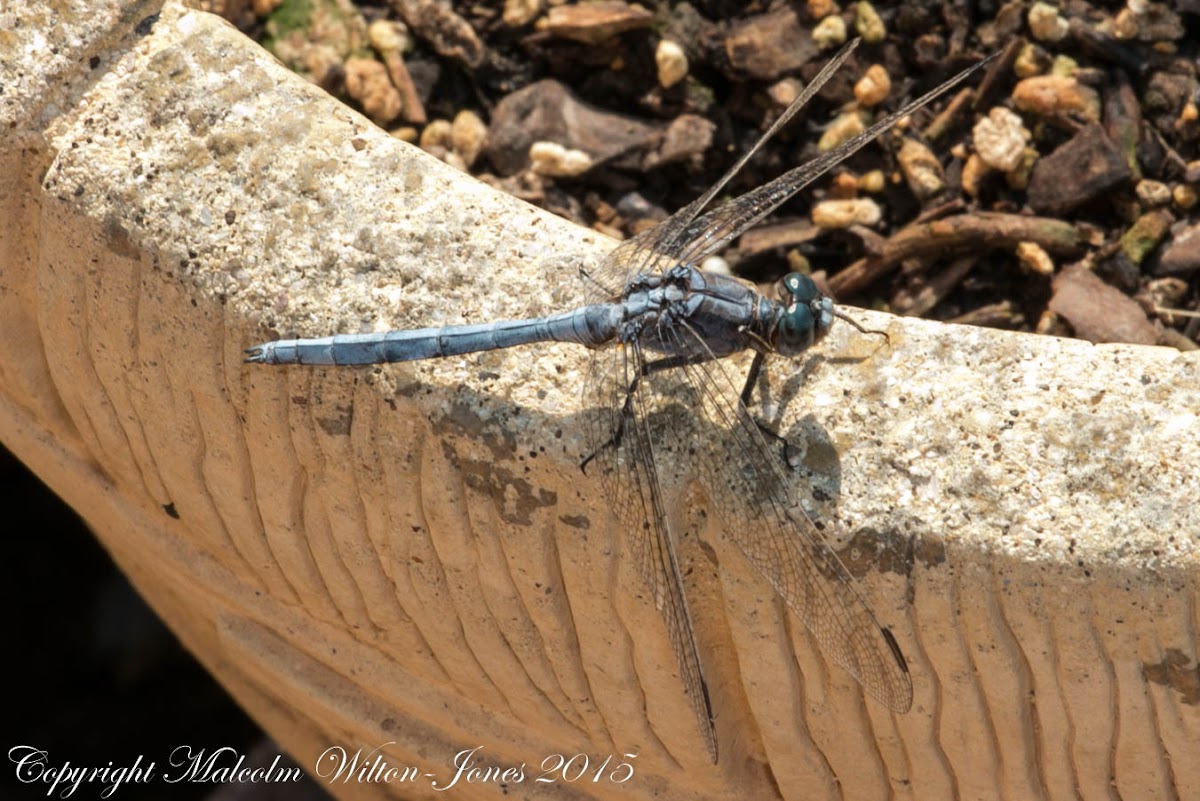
662, 246
629, 473
760, 513
705, 235
688, 236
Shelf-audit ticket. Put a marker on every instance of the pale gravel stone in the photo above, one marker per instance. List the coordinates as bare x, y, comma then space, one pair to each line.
874, 86
468, 135
872, 182
847, 212
829, 32
1000, 139
551, 158
868, 23
842, 127
921, 168
1153, 193
1032, 60
521, 12
368, 83
1034, 258
1056, 94
1125, 24
784, 91
389, 36
1183, 196
819, 9
437, 134
1045, 23
671, 62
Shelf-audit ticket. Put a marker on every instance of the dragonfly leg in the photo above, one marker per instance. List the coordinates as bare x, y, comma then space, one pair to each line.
786, 449
665, 363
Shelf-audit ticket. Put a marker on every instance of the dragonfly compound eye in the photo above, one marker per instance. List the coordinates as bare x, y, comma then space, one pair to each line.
806, 316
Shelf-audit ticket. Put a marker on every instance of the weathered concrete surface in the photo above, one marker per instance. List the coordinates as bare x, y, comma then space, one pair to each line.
411, 556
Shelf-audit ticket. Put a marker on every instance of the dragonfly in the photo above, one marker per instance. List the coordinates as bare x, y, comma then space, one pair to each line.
658, 385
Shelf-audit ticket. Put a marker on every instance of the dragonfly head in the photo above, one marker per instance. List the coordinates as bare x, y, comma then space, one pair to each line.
806, 315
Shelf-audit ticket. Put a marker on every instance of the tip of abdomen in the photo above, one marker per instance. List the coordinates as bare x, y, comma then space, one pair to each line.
259, 354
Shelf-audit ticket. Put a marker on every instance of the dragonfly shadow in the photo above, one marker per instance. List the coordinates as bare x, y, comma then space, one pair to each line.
773, 398
803, 444
811, 459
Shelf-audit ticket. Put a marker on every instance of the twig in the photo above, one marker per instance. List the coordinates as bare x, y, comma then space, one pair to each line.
964, 233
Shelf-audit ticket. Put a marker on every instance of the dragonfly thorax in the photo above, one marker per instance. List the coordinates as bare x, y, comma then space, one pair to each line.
805, 316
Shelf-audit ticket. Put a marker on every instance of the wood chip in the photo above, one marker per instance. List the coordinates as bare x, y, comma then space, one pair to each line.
1098, 312
594, 23
1082, 169
768, 45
